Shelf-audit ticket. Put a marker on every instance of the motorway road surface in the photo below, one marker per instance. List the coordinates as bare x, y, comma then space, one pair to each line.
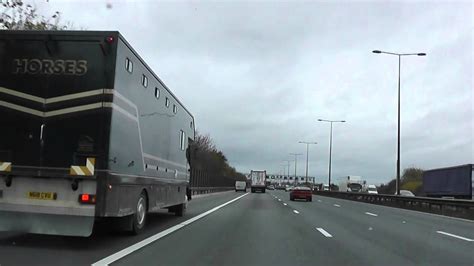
262, 229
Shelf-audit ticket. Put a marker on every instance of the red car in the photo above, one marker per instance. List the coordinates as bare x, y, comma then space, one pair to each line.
301, 193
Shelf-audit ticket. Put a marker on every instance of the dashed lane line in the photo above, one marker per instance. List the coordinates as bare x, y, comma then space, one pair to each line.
324, 232
371, 214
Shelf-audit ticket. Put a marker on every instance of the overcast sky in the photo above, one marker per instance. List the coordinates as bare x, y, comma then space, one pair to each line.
258, 75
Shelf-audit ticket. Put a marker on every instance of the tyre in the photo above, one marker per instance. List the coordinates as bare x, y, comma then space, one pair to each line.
292, 199
310, 199
263, 190
252, 190
139, 217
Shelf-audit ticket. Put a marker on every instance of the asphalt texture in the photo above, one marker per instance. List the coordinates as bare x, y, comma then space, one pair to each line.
31, 249
265, 229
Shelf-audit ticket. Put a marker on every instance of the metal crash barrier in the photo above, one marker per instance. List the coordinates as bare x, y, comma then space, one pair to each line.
448, 207
206, 190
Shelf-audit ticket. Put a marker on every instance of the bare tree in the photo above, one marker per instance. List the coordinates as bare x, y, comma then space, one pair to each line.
16, 15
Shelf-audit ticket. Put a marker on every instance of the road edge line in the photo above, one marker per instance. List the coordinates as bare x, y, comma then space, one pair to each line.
455, 236
128, 250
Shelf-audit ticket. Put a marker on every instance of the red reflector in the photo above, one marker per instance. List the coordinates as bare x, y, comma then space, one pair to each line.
109, 39
85, 197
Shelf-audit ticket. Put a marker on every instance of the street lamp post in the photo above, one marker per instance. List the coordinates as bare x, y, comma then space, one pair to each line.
307, 154
398, 128
283, 174
296, 155
288, 161
330, 145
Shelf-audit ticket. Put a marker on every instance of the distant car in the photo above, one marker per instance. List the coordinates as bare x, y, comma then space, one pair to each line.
271, 187
325, 187
406, 193
288, 188
240, 186
301, 193
372, 189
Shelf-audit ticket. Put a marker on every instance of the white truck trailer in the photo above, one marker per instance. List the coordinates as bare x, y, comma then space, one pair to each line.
352, 183
258, 181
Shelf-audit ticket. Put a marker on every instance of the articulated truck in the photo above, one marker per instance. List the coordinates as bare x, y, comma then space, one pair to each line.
352, 183
450, 182
88, 132
258, 179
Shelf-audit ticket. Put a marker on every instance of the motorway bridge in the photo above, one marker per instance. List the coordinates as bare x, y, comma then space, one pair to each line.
230, 228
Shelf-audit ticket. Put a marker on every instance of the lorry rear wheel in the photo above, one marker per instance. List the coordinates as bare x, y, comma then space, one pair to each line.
139, 217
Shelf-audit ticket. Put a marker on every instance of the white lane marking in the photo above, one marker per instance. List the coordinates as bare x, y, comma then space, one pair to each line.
456, 236
285, 204
404, 222
322, 231
337, 205
279, 199
295, 211
370, 229
371, 214
419, 212
320, 200
114, 257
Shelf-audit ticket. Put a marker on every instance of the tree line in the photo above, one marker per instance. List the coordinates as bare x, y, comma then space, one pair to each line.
411, 179
205, 157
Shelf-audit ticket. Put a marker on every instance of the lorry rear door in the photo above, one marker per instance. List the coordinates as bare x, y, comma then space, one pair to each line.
52, 91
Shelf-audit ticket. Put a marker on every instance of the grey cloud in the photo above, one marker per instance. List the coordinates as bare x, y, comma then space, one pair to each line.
257, 75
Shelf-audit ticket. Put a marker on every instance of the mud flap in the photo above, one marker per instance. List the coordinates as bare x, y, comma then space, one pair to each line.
189, 193
49, 224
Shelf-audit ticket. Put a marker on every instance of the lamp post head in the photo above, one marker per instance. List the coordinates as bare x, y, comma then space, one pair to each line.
421, 54
376, 51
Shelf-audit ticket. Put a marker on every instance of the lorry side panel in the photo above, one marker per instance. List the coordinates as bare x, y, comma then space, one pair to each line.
148, 139
448, 182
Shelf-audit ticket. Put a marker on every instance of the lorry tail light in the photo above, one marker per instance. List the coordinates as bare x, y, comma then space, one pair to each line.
87, 198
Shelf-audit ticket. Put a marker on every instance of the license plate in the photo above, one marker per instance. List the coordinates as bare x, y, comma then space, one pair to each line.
42, 195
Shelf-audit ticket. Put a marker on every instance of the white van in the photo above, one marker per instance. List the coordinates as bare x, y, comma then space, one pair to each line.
372, 189
240, 186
